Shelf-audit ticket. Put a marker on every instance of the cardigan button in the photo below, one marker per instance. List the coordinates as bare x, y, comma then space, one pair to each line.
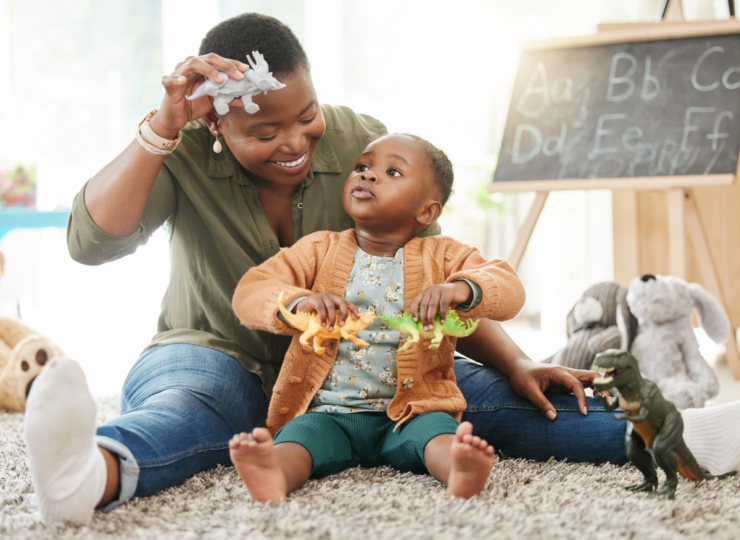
408, 383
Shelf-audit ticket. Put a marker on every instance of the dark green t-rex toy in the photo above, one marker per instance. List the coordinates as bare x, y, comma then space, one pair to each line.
656, 424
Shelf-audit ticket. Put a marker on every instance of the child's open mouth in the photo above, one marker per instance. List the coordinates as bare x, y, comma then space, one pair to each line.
361, 191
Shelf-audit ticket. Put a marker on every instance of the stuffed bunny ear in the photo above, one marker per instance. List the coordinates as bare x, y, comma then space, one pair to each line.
711, 316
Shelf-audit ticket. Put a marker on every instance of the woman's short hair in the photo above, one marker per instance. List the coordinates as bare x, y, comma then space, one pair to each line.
237, 37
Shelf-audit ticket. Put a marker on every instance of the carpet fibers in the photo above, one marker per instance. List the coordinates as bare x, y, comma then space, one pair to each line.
522, 500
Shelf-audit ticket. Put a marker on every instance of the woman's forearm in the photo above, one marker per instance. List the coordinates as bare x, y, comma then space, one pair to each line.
117, 195
491, 346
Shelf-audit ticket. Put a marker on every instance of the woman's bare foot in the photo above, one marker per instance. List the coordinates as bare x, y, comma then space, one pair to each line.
253, 455
472, 461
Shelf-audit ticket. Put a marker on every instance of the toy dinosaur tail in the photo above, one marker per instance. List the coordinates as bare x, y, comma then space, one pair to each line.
287, 314
690, 469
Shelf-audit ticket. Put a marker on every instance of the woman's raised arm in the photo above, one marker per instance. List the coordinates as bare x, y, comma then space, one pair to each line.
117, 195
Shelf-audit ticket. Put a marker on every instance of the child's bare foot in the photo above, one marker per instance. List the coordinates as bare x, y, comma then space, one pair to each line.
253, 455
472, 461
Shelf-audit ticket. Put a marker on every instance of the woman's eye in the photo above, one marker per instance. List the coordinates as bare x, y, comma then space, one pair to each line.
361, 167
266, 138
309, 120
394, 172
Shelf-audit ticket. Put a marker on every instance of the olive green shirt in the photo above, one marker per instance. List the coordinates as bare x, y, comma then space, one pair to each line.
218, 230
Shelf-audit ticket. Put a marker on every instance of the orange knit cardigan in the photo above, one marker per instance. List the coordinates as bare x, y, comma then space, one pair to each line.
321, 262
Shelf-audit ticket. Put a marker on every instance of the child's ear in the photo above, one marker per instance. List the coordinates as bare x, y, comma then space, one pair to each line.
429, 214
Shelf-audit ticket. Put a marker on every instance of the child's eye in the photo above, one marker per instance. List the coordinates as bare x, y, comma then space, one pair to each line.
309, 120
394, 172
361, 167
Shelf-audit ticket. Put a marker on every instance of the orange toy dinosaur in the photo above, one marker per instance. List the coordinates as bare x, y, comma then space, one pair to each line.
311, 325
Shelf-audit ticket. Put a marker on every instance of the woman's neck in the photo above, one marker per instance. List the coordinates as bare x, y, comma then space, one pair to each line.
380, 245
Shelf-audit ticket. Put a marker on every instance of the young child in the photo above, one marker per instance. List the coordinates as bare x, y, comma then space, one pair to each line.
406, 405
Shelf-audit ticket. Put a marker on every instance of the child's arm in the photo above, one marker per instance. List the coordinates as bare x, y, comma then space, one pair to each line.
503, 293
292, 270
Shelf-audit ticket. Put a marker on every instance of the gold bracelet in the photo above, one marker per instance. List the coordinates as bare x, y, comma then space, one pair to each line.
152, 142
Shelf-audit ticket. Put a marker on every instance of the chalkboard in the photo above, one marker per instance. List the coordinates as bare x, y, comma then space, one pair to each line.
640, 109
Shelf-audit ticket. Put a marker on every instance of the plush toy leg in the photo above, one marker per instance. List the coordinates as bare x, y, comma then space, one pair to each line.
641, 459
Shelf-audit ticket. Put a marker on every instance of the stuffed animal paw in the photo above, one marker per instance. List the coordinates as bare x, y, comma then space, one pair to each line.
26, 360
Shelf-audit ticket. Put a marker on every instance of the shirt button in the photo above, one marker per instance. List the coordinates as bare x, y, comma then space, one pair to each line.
300, 205
408, 383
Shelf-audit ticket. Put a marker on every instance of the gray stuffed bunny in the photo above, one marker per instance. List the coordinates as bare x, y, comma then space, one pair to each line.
665, 346
599, 321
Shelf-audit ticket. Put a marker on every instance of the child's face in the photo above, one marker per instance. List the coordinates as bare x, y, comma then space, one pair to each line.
276, 143
391, 187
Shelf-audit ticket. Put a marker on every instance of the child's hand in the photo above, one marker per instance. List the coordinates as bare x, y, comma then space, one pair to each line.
326, 305
438, 298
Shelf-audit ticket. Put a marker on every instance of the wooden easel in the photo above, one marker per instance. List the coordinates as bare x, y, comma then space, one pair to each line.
683, 213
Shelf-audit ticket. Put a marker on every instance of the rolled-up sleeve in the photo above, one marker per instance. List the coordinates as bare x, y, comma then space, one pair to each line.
91, 245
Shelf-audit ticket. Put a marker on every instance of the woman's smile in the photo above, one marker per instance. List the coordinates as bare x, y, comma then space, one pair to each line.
294, 166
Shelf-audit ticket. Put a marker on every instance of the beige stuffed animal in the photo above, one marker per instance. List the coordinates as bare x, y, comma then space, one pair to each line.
23, 354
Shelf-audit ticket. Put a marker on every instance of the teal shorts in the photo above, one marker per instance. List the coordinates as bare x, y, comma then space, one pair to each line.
338, 441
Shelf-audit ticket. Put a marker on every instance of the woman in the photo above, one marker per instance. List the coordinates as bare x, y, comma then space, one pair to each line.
205, 377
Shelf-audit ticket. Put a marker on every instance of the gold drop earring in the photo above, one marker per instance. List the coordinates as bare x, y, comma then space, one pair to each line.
217, 144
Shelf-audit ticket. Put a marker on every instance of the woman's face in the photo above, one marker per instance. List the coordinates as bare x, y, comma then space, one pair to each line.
276, 143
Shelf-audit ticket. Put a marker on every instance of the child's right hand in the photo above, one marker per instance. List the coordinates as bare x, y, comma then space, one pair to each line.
325, 305
176, 111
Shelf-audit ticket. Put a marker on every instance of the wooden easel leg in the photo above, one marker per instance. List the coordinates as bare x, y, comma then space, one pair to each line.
709, 274
525, 233
626, 236
676, 233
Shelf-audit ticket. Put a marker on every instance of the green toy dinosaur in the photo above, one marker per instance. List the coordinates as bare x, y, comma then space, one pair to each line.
453, 326
656, 424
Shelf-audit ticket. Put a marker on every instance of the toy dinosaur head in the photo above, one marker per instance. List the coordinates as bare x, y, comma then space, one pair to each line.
456, 327
367, 318
617, 368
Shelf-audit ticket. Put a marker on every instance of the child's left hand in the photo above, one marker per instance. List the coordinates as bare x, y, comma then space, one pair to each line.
438, 298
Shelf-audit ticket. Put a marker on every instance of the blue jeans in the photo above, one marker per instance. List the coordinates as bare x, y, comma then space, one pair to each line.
181, 404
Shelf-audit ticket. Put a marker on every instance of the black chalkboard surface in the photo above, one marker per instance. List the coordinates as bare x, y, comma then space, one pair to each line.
653, 108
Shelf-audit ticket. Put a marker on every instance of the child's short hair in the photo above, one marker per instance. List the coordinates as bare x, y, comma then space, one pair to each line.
237, 37
440, 164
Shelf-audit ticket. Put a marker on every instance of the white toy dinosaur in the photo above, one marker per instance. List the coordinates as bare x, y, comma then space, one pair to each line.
256, 80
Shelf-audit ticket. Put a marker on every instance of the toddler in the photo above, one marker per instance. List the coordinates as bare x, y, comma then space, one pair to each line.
372, 405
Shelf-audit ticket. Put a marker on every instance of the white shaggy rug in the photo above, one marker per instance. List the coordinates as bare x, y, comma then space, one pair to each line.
522, 500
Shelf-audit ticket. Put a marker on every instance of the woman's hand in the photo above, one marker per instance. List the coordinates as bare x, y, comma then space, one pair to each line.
438, 298
325, 305
530, 380
176, 111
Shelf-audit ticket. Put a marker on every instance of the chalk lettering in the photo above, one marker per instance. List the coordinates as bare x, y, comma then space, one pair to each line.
668, 149
645, 154
535, 88
600, 132
645, 94
714, 157
695, 71
559, 141
726, 78
583, 109
631, 134
517, 157
716, 134
618, 160
562, 89
687, 126
624, 79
